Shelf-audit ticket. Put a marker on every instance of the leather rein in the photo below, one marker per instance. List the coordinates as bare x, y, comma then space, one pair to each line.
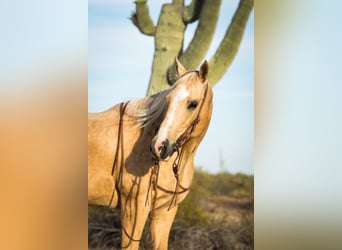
153, 183
119, 142
179, 149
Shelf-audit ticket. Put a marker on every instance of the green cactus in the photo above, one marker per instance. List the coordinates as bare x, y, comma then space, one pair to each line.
169, 35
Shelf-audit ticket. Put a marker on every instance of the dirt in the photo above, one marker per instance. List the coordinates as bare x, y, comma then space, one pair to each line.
230, 209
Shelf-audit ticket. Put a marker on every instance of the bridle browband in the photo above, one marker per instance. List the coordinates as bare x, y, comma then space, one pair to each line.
179, 149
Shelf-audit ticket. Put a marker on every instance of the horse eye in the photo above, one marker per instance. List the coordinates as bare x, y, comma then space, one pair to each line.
192, 104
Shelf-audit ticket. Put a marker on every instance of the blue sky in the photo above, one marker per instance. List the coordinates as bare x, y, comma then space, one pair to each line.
119, 68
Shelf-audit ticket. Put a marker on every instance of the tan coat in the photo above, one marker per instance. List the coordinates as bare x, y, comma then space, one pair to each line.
156, 127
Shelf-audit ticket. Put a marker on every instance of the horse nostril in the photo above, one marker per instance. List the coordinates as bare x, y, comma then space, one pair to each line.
165, 143
162, 149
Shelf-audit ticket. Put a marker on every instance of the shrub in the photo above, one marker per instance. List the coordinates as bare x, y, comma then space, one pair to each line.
194, 226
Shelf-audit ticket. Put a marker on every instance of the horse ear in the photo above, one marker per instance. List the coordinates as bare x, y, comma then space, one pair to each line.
203, 72
180, 68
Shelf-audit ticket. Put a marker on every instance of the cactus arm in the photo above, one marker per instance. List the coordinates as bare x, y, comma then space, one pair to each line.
141, 18
200, 43
229, 46
192, 11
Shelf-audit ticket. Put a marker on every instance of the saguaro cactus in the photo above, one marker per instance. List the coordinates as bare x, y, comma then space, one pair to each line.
169, 35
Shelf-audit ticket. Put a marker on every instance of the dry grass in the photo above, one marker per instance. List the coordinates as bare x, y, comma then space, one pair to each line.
207, 219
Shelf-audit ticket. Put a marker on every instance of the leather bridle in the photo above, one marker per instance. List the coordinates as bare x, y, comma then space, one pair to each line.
153, 183
179, 149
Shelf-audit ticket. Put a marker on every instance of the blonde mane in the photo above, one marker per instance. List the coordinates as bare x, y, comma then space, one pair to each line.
152, 111
149, 112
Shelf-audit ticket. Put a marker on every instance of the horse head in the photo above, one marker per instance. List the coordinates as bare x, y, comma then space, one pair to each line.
184, 104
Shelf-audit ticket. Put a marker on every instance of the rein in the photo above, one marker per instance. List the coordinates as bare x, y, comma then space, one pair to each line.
119, 142
153, 183
179, 148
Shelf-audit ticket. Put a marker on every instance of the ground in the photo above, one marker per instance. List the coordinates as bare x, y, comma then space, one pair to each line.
217, 214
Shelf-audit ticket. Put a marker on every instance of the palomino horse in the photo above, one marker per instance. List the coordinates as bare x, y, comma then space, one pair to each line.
141, 155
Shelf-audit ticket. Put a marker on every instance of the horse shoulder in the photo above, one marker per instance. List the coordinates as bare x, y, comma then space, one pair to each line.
101, 134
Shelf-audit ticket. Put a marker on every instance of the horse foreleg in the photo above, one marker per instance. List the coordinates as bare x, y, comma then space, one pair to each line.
133, 219
160, 227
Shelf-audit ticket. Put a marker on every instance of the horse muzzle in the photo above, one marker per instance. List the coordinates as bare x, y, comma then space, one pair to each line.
162, 150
